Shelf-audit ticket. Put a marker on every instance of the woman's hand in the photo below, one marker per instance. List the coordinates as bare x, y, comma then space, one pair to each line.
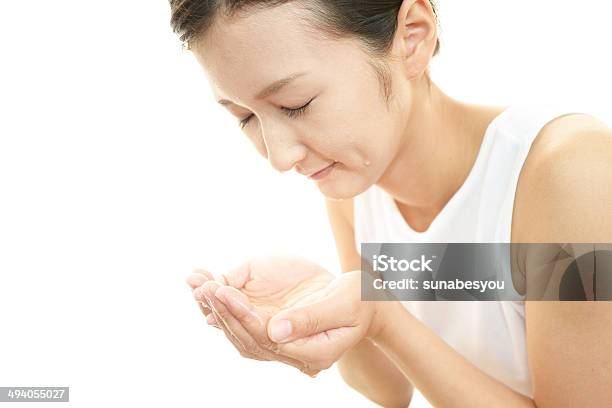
287, 309
259, 288
321, 329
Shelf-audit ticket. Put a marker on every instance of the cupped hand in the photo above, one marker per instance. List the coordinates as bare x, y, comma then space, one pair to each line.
322, 328
287, 309
242, 301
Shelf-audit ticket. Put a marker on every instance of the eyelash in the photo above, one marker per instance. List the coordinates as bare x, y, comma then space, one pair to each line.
292, 113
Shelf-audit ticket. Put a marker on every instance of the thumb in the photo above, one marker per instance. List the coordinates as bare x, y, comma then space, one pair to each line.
307, 320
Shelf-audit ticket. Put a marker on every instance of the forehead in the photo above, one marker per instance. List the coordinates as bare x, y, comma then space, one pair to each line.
244, 53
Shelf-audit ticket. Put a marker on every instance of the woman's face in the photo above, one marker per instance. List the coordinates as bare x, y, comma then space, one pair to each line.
332, 110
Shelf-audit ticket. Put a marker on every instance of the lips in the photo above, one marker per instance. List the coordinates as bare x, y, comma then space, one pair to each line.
319, 173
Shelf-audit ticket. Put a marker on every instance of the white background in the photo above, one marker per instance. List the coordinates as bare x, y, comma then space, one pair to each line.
118, 174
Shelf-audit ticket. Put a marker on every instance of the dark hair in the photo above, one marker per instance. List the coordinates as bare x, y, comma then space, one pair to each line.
373, 22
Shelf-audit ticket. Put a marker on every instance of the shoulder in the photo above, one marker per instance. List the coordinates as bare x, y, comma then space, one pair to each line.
564, 188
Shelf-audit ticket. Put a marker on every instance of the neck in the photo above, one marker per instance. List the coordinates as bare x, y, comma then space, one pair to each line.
439, 147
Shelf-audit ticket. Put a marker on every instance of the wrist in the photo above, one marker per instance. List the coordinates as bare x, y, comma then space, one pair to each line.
382, 319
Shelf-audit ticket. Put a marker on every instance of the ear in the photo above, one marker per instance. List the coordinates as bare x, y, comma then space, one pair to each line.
416, 36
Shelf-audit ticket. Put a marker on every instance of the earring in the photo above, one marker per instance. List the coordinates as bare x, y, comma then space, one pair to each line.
367, 163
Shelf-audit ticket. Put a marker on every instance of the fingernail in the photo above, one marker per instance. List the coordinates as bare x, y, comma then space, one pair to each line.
195, 280
280, 330
198, 295
210, 319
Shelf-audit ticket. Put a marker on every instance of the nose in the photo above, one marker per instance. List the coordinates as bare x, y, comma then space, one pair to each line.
283, 146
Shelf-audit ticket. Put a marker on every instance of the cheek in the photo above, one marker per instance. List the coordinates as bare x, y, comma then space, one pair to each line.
369, 139
377, 139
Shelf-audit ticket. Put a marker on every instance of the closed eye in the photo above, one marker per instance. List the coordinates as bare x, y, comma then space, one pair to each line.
291, 112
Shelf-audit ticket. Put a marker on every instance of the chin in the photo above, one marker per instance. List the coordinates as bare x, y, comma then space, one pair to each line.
337, 189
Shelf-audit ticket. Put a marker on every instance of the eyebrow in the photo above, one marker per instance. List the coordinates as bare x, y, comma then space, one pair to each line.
270, 89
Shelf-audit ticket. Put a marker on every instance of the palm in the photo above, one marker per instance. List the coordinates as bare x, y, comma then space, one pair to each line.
244, 300
275, 283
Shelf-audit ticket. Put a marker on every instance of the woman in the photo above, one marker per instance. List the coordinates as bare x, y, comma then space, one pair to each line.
340, 92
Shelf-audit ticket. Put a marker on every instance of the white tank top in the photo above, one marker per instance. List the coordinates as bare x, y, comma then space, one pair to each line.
491, 335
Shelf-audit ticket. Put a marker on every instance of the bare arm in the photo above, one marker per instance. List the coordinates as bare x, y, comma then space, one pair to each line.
569, 342
365, 367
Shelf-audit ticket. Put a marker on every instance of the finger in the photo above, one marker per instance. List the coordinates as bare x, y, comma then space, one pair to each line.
323, 349
251, 319
239, 337
229, 335
211, 320
196, 280
222, 280
198, 295
307, 320
204, 309
239, 276
250, 347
